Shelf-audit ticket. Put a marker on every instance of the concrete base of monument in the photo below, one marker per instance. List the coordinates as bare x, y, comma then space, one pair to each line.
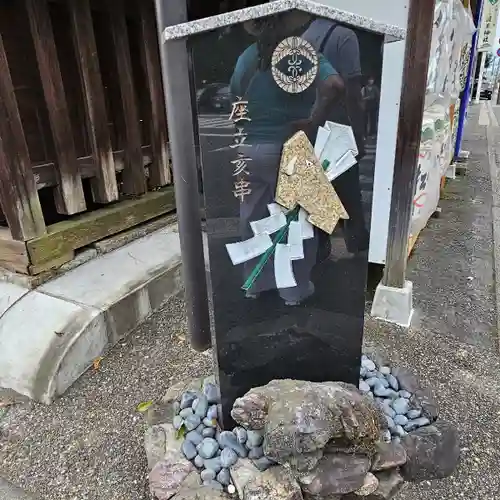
394, 305
295, 440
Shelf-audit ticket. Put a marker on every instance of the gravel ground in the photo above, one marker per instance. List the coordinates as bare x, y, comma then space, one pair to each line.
88, 444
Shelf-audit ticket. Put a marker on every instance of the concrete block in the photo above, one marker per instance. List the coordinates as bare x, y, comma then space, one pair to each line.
394, 305
36, 334
127, 313
50, 336
10, 293
105, 280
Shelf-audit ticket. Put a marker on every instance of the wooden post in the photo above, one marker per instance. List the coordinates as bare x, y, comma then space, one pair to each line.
134, 176
69, 193
159, 171
418, 43
105, 188
18, 195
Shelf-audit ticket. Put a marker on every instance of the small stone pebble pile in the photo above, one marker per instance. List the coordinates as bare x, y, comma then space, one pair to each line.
401, 408
211, 451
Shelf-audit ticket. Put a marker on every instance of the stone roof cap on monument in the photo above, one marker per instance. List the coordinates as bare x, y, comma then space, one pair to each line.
387, 17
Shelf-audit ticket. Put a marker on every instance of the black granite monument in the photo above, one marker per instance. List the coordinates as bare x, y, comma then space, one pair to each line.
285, 109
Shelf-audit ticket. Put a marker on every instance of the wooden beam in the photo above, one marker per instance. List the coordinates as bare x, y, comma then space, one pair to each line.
13, 254
18, 194
67, 236
134, 179
418, 43
45, 173
105, 187
159, 173
69, 193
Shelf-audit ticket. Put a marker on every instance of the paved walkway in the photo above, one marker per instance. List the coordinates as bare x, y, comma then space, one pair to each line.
88, 444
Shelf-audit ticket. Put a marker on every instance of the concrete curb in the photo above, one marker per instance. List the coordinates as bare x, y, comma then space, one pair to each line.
492, 139
51, 335
9, 492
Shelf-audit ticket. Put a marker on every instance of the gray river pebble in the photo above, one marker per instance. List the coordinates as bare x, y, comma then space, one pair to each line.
194, 437
199, 462
187, 399
385, 370
212, 393
241, 434
210, 422
256, 453
228, 458
372, 382
224, 478
185, 413
254, 438
401, 406
177, 422
381, 391
192, 422
368, 364
214, 464
208, 475
208, 432
390, 422
189, 450
393, 382
200, 406
212, 412
399, 431
364, 387
413, 414
208, 448
382, 380
263, 463
228, 440
400, 420
415, 424
405, 394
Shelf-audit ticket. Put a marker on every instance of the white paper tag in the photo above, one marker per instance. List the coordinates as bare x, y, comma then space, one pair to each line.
244, 251
269, 225
295, 242
344, 164
307, 228
283, 270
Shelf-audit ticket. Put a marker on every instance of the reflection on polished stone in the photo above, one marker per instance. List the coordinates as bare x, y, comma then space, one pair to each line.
312, 328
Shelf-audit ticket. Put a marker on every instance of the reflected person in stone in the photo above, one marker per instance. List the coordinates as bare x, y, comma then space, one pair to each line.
275, 116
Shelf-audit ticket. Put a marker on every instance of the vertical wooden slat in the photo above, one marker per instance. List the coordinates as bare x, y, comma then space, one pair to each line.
104, 187
69, 193
18, 194
134, 178
159, 171
418, 43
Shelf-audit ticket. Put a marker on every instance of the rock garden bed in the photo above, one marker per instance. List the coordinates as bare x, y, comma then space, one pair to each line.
299, 440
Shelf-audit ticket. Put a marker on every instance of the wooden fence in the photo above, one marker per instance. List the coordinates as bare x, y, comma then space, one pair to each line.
83, 135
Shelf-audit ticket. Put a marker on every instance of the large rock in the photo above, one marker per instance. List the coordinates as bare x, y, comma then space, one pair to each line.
301, 417
388, 456
201, 493
336, 474
154, 443
276, 483
167, 476
433, 452
389, 484
242, 473
160, 440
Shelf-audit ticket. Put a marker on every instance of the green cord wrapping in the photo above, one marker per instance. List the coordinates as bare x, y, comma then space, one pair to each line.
293, 215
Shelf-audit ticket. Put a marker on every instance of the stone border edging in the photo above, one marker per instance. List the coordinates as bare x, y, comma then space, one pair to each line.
51, 335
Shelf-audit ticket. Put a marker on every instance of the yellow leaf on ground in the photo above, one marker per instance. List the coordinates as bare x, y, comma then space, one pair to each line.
142, 407
97, 362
